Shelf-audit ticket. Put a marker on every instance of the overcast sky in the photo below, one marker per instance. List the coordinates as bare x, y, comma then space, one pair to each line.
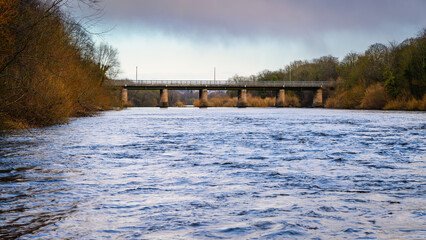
186, 39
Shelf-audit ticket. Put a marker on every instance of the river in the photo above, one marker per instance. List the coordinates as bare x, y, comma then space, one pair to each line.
217, 173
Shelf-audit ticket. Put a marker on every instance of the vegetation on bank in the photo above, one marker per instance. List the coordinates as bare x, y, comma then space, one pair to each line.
151, 98
389, 76
50, 68
252, 101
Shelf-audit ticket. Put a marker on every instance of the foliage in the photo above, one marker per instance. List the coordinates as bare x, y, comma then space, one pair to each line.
374, 97
390, 84
151, 98
291, 100
252, 101
179, 104
406, 104
48, 69
321, 69
348, 99
219, 101
383, 76
146, 98
260, 102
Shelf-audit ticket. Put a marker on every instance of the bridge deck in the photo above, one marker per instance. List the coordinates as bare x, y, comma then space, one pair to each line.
218, 84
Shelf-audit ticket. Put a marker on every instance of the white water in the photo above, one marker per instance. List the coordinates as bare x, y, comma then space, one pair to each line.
188, 173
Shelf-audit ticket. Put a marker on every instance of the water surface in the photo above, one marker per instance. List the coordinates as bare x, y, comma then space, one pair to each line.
217, 173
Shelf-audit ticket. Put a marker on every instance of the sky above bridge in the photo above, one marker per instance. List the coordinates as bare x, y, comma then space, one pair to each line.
186, 39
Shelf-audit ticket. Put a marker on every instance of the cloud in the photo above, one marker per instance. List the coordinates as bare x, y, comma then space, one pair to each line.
186, 38
283, 18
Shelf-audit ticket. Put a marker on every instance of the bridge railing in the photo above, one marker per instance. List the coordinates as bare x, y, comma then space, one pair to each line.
220, 83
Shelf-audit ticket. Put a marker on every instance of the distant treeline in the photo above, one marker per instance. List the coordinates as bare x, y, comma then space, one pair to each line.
389, 76
50, 68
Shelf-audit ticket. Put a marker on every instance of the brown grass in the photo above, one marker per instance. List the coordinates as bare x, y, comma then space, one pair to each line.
219, 101
346, 99
410, 104
196, 103
291, 101
179, 104
226, 101
374, 97
260, 102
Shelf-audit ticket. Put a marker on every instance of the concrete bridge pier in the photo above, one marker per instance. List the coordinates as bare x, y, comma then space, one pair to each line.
164, 98
242, 98
280, 99
203, 98
318, 98
124, 96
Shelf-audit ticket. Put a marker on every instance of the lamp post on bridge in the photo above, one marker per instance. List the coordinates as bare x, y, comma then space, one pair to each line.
283, 76
214, 75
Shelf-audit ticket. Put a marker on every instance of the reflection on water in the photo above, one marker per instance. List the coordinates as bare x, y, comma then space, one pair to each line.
217, 173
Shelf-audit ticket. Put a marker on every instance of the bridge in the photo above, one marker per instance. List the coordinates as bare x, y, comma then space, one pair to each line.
242, 86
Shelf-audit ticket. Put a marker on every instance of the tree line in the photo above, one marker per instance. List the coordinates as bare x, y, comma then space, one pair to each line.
50, 66
391, 76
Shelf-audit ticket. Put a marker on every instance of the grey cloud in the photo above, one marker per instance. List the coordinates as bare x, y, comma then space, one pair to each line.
271, 17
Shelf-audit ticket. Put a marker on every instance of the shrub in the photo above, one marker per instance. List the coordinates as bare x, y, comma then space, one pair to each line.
260, 102
423, 103
179, 104
346, 98
226, 101
196, 103
396, 104
405, 103
291, 101
55, 74
231, 102
374, 97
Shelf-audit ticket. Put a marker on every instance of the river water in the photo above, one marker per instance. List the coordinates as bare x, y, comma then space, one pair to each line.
217, 173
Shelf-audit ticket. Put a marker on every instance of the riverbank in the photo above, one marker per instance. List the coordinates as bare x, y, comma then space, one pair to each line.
50, 67
372, 101
374, 97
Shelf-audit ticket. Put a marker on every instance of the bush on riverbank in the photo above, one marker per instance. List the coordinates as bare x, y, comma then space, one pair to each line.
410, 104
350, 99
291, 100
252, 101
374, 97
260, 102
179, 104
219, 101
50, 69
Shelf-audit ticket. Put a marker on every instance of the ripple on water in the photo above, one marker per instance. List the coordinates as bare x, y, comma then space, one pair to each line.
217, 174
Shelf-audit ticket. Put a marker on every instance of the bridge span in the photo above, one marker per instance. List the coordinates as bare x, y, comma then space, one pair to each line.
242, 86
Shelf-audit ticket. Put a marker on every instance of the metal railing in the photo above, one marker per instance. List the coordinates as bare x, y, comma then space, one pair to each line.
220, 83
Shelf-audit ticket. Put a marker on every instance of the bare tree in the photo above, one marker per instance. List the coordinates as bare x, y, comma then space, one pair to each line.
107, 59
